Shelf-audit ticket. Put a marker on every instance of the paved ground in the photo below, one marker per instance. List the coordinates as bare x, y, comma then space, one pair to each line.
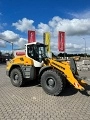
31, 103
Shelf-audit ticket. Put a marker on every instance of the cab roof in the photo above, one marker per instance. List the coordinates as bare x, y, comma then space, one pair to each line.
36, 43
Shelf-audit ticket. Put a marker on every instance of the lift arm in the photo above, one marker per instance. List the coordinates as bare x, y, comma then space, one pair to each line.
64, 67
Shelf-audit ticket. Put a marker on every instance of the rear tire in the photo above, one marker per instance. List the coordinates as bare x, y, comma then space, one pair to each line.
51, 82
16, 77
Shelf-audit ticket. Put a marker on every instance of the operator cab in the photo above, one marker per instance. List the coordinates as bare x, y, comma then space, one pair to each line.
36, 51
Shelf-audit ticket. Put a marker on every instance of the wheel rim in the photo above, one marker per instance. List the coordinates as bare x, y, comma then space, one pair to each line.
16, 77
51, 82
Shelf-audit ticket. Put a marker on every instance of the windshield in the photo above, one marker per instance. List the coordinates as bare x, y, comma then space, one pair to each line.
42, 52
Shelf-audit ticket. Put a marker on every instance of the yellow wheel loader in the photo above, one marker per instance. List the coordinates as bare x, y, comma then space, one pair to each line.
51, 73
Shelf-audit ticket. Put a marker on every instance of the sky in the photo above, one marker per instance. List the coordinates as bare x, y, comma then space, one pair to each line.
70, 16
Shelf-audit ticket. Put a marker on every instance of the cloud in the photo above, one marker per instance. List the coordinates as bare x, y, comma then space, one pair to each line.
24, 25
74, 48
2, 25
72, 45
21, 42
2, 44
9, 36
70, 48
82, 15
72, 27
54, 47
43, 28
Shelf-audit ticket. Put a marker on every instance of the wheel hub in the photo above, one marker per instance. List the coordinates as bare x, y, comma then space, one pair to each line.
51, 82
16, 77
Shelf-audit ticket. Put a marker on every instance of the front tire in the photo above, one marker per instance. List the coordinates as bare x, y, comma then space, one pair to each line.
16, 77
51, 82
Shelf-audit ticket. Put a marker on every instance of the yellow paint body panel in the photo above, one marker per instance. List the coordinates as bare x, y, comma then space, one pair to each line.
20, 60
